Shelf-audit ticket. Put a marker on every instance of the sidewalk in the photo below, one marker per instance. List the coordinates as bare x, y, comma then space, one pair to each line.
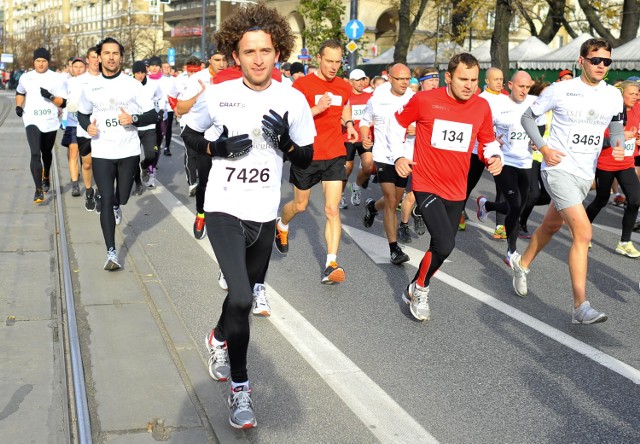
146, 377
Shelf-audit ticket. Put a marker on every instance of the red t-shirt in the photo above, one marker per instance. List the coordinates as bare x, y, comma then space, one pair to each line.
446, 132
358, 103
606, 162
328, 143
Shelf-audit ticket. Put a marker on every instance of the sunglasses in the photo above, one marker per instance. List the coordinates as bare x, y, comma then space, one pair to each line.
595, 61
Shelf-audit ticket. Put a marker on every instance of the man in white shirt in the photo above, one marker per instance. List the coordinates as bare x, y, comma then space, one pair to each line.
583, 108
39, 94
379, 112
70, 139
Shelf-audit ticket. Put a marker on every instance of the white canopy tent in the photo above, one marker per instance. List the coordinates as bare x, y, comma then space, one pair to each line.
627, 56
384, 58
483, 54
561, 58
529, 49
421, 54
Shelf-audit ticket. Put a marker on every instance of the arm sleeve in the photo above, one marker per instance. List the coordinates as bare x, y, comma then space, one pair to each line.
528, 122
84, 120
616, 132
301, 156
148, 118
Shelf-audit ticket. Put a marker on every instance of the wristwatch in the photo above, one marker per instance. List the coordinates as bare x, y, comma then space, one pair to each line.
135, 118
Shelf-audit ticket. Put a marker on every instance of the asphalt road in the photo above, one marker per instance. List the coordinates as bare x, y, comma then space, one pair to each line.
348, 363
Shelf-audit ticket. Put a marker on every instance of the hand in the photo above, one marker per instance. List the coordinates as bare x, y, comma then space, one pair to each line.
404, 166
367, 142
618, 151
46, 94
494, 165
124, 117
230, 147
352, 134
411, 130
499, 140
92, 129
276, 128
19, 111
324, 103
551, 157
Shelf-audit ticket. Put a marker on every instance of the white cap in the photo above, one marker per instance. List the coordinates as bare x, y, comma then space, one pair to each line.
357, 74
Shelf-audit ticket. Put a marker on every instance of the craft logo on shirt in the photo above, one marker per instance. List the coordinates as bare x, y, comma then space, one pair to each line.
572, 94
442, 107
232, 105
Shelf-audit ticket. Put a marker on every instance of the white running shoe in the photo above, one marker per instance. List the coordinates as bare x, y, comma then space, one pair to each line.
584, 314
417, 299
482, 212
222, 282
219, 368
260, 302
343, 203
355, 194
192, 190
117, 213
151, 183
112, 263
519, 275
241, 414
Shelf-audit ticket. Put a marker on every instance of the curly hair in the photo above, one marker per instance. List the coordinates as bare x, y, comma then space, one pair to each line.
255, 18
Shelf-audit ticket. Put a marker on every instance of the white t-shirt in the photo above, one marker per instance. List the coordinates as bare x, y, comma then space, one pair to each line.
166, 84
581, 114
515, 147
493, 100
103, 98
79, 85
380, 111
249, 187
152, 91
39, 111
74, 91
198, 117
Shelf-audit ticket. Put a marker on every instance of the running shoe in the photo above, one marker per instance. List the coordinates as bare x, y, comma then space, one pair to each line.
403, 233
45, 184
627, 249
281, 239
482, 212
151, 183
112, 263
219, 368
507, 258
167, 152
38, 196
75, 189
222, 282
241, 414
333, 274
356, 191
144, 175
343, 203
500, 232
398, 256
138, 190
89, 200
192, 190
618, 200
199, 227
524, 232
98, 199
462, 225
417, 298
117, 213
369, 212
519, 275
584, 314
418, 222
260, 302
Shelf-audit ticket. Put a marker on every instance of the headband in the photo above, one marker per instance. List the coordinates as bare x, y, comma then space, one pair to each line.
193, 68
429, 76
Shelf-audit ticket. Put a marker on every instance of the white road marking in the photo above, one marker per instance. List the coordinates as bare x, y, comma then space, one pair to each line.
382, 415
365, 241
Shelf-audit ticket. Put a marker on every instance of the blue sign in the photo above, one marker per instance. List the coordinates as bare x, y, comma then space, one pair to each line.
354, 29
171, 56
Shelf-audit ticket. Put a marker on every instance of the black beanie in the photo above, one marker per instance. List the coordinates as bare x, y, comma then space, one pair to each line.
41, 53
139, 66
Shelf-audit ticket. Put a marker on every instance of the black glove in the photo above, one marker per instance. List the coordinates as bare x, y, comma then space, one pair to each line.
19, 111
46, 94
276, 128
230, 147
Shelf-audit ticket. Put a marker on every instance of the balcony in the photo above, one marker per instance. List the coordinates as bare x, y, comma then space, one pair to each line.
188, 14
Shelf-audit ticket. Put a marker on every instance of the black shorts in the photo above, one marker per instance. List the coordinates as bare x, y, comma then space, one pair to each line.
69, 136
318, 171
84, 146
353, 147
637, 160
387, 173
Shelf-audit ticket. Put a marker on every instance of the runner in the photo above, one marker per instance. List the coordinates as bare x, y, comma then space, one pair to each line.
110, 108
328, 97
513, 181
358, 101
155, 75
379, 112
69, 139
448, 123
582, 109
39, 94
166, 84
268, 121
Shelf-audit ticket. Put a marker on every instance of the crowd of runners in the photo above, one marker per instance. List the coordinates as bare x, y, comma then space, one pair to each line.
241, 119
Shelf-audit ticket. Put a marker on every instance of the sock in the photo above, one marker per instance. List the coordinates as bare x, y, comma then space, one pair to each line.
201, 215
235, 385
282, 226
402, 224
213, 341
331, 258
393, 246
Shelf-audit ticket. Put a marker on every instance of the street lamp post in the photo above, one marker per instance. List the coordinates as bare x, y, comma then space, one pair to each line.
203, 37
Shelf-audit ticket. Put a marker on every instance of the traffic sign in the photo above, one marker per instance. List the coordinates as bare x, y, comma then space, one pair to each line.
352, 46
354, 29
171, 56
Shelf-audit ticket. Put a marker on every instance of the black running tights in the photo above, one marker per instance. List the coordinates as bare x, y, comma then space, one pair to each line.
41, 146
243, 249
476, 168
114, 179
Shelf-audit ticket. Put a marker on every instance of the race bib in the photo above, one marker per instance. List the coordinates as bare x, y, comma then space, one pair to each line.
452, 136
42, 112
357, 111
629, 148
585, 140
335, 100
518, 137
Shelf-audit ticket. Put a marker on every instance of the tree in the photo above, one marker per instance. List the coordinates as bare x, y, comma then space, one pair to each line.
323, 21
407, 27
500, 37
598, 12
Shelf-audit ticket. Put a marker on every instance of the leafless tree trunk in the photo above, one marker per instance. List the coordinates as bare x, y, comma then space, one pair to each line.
407, 28
500, 37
